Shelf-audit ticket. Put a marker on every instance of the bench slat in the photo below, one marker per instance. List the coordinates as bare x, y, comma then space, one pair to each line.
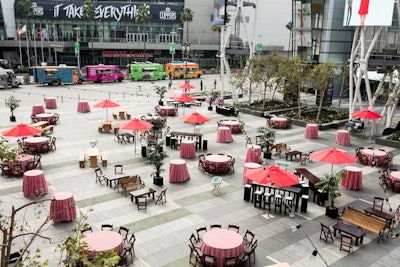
363, 220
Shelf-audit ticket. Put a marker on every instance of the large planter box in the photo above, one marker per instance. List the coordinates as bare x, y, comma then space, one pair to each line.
387, 142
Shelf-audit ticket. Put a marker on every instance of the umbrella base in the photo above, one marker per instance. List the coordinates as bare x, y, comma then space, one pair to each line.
12, 118
158, 181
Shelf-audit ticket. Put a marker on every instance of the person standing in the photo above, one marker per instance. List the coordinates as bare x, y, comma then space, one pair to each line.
169, 84
363, 11
201, 85
215, 84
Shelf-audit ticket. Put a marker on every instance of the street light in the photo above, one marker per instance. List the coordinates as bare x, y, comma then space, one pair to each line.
76, 46
185, 54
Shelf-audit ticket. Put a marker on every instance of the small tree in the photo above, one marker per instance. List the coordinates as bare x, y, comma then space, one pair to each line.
89, 11
186, 17
160, 91
13, 104
330, 184
156, 158
267, 137
143, 16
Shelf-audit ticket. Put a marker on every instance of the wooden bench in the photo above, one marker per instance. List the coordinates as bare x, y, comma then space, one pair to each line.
47, 129
128, 116
115, 115
130, 183
350, 230
101, 125
103, 159
82, 160
363, 220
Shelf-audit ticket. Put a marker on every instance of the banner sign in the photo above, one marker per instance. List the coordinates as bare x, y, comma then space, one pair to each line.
165, 12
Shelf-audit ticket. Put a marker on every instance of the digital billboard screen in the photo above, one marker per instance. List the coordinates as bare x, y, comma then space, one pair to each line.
219, 12
368, 12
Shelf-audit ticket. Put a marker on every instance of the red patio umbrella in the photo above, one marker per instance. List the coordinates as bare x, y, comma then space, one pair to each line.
186, 86
333, 156
366, 114
272, 175
183, 98
106, 104
195, 118
135, 124
22, 130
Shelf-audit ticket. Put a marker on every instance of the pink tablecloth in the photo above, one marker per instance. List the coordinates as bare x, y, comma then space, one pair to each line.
83, 107
222, 243
100, 241
224, 135
62, 207
34, 183
343, 137
281, 123
311, 131
178, 171
23, 160
218, 160
253, 153
249, 165
37, 109
395, 176
45, 117
352, 178
167, 111
51, 103
231, 124
187, 149
36, 141
373, 153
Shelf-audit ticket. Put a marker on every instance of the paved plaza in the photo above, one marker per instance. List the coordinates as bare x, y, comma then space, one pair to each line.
163, 231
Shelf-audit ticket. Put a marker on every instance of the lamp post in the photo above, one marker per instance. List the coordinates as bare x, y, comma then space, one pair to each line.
185, 55
77, 47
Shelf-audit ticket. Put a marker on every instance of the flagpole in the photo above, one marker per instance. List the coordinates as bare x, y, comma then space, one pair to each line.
20, 50
27, 49
41, 41
34, 43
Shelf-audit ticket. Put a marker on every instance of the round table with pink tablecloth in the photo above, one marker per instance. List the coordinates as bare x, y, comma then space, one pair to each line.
280, 123
83, 107
187, 149
247, 166
45, 117
343, 137
224, 135
253, 153
395, 176
218, 161
22, 159
178, 171
34, 183
352, 178
62, 207
222, 243
36, 141
232, 124
311, 131
37, 109
101, 241
373, 153
166, 111
51, 103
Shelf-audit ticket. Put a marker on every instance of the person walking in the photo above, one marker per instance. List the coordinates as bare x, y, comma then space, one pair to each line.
215, 83
201, 85
169, 84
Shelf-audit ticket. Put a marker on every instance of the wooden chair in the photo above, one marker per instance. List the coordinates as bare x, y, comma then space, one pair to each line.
250, 251
326, 233
52, 144
37, 161
142, 203
378, 203
5, 170
346, 243
248, 238
194, 242
200, 232
195, 254
107, 227
129, 249
209, 260
233, 227
123, 231
44, 147
17, 170
100, 177
218, 226
231, 262
118, 169
162, 197
86, 229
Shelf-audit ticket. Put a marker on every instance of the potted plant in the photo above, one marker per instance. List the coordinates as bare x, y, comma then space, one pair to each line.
156, 158
329, 184
266, 139
12, 103
160, 91
214, 95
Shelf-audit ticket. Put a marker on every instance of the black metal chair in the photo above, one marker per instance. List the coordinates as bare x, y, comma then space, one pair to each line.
100, 177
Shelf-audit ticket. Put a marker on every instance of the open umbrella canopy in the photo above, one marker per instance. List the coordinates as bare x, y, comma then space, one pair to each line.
106, 104
136, 125
22, 130
183, 98
195, 117
186, 86
366, 114
272, 175
333, 156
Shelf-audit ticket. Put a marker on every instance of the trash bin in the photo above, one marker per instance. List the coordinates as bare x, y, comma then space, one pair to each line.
168, 140
247, 192
205, 144
304, 203
304, 188
144, 151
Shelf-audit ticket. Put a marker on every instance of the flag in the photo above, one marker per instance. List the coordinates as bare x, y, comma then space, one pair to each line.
22, 30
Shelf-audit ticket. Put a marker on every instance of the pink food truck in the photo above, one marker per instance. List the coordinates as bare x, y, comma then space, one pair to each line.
102, 73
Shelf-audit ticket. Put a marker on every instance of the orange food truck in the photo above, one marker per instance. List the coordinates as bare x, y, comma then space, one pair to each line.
177, 70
